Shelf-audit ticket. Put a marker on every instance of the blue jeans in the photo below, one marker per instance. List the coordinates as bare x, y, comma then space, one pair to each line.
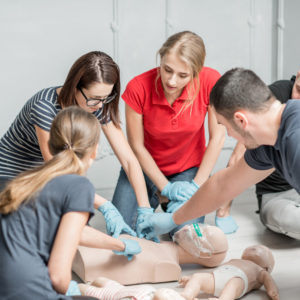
125, 200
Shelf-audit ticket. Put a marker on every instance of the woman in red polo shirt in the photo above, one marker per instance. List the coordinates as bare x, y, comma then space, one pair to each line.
165, 114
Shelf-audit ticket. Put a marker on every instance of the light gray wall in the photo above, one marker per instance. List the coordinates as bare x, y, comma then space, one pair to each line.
41, 39
291, 38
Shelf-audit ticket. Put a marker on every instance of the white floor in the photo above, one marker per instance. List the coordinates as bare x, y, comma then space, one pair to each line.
286, 250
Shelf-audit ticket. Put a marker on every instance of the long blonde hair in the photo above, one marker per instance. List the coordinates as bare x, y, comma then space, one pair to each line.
74, 134
191, 49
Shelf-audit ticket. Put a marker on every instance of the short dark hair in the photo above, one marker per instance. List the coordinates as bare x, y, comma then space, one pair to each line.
237, 89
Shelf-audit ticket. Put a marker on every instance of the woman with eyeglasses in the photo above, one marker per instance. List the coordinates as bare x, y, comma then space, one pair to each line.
93, 83
165, 118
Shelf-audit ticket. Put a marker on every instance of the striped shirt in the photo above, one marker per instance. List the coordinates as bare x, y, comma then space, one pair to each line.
19, 147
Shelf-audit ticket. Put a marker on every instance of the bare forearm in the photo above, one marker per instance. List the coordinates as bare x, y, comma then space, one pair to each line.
208, 198
219, 189
94, 238
98, 201
137, 181
209, 160
151, 169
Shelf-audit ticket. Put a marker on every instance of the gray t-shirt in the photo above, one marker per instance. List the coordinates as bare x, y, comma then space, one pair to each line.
285, 154
27, 236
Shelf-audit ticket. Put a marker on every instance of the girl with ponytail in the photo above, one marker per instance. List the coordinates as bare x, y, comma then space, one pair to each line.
43, 213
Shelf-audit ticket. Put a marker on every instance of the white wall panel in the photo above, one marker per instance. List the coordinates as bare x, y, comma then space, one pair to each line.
41, 39
291, 40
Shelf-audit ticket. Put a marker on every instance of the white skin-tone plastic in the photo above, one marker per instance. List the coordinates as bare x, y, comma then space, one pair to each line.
160, 262
160, 294
256, 262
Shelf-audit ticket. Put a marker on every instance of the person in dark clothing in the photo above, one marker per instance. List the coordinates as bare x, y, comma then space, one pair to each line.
44, 212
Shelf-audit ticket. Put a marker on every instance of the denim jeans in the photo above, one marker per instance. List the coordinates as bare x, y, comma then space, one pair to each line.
125, 200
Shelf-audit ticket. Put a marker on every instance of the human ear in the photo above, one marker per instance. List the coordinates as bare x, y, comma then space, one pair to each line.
94, 152
240, 119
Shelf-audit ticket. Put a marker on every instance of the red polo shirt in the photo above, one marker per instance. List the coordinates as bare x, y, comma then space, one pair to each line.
175, 141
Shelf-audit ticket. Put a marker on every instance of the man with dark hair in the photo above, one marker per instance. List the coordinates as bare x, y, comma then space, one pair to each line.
269, 130
278, 202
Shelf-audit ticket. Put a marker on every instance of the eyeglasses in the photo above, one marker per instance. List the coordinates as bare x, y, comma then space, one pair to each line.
94, 102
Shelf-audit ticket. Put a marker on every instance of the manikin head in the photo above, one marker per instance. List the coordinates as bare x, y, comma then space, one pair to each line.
236, 96
260, 255
201, 240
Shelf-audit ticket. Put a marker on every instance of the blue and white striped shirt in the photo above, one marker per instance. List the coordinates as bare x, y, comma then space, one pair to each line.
19, 147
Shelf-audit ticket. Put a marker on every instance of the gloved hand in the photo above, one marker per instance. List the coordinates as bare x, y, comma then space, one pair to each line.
73, 289
158, 223
227, 224
142, 212
132, 247
180, 190
115, 223
174, 205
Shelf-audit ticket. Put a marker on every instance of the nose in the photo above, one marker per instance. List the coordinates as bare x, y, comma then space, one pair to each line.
172, 80
99, 105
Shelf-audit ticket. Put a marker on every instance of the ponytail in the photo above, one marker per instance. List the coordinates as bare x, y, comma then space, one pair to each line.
73, 135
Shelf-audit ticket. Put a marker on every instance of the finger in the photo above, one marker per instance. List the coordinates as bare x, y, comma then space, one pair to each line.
145, 224
117, 232
152, 236
109, 231
156, 240
129, 230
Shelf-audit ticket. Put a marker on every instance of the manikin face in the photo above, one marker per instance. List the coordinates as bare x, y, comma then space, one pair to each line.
94, 91
175, 75
296, 87
261, 255
237, 132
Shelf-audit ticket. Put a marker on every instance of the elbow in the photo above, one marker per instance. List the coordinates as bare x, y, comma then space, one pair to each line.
60, 281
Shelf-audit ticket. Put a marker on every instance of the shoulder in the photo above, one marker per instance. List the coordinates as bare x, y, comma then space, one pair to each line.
208, 78
209, 73
73, 181
47, 94
282, 89
45, 99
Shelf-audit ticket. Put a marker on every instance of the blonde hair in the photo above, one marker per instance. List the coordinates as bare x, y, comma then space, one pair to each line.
74, 134
190, 48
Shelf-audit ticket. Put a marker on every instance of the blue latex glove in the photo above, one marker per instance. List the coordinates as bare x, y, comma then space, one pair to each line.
159, 223
227, 224
73, 289
174, 205
142, 212
180, 190
132, 247
115, 223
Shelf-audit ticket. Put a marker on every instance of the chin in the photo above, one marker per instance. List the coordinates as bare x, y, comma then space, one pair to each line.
251, 147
